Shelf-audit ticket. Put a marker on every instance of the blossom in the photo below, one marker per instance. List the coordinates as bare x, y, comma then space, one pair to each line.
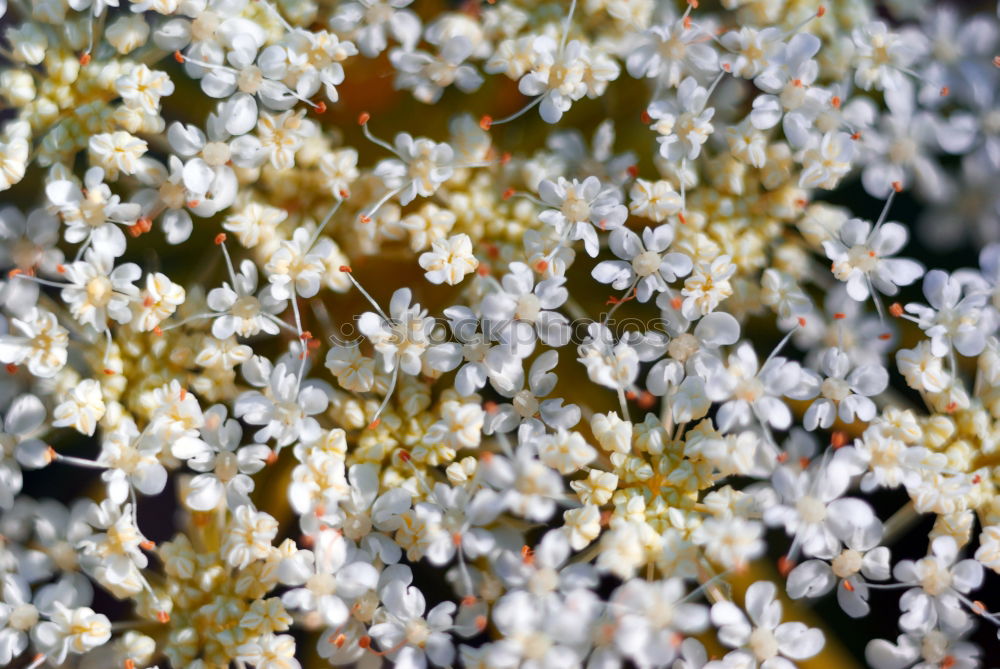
862, 258
449, 260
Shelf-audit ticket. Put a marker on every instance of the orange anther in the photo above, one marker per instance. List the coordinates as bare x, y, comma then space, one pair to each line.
363, 118
797, 83
856, 136
158, 331
835, 101
486, 122
374, 424
785, 565
840, 315
109, 372
129, 664
345, 268
977, 479
680, 217
848, 586
802, 321
803, 462
178, 56
782, 458
541, 265
951, 407
148, 301
646, 400
821, 10
147, 545
11, 368
480, 622
469, 600
338, 640
489, 406
633, 171
996, 61
320, 107
483, 270
219, 238
885, 336
527, 555
85, 59
687, 23
945, 91
676, 302
508, 194
838, 439
193, 203
630, 395
978, 607
61, 269
948, 662
505, 157
365, 219
645, 117
365, 642
456, 538
897, 186
896, 309
871, 254
727, 67
404, 455
163, 617
344, 193
14, 272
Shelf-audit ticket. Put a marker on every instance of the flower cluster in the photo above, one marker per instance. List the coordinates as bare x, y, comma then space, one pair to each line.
548, 380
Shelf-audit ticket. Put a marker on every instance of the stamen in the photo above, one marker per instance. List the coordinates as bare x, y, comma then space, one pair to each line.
385, 400
363, 122
487, 122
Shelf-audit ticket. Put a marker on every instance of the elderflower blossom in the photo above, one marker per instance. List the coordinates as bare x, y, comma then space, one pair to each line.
605, 358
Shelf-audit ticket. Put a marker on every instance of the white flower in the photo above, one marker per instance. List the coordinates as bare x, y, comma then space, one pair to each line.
117, 151
861, 258
792, 98
845, 391
285, 409
428, 75
525, 406
953, 321
225, 467
98, 290
76, 631
249, 536
670, 50
763, 640
860, 530
921, 650
827, 161
684, 124
82, 409
649, 267
369, 21
240, 312
754, 50
580, 207
655, 200
296, 266
730, 541
420, 169
881, 56
41, 343
707, 286
92, 218
557, 76
450, 260
158, 301
403, 631
941, 584
23, 420
131, 462
523, 310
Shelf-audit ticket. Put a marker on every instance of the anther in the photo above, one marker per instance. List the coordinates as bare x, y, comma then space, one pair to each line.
820, 11
508, 194
365, 642
271, 458
11, 368
835, 101
802, 322
320, 107
785, 565
505, 157
404, 455
365, 219
897, 186
363, 118
680, 217
163, 617
220, 238
885, 336
469, 600
676, 302
856, 136
109, 372
944, 91
848, 586
374, 424
486, 122
840, 315
61, 269
633, 171
338, 640
85, 58
345, 268
838, 439
896, 309
977, 479
129, 664
147, 545
951, 407
645, 117
541, 265
178, 56
158, 331
782, 458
